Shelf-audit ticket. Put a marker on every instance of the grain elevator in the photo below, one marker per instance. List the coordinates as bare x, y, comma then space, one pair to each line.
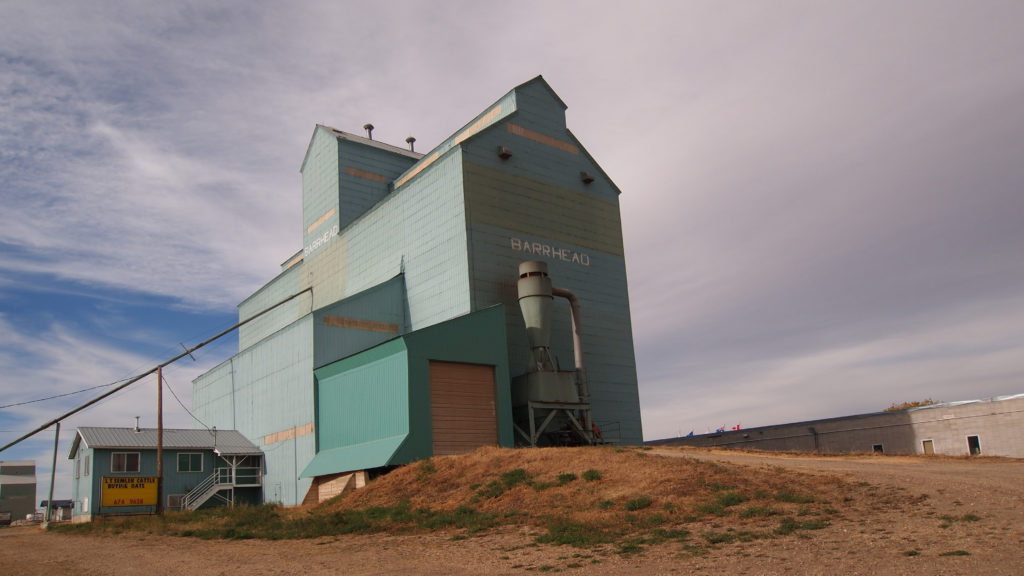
407, 338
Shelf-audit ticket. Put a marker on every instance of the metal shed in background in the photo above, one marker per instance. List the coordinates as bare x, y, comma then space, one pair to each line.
17, 490
991, 427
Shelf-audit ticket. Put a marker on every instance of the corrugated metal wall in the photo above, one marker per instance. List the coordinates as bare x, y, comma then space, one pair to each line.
364, 399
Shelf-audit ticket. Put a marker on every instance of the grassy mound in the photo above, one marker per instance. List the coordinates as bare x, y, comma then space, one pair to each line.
585, 497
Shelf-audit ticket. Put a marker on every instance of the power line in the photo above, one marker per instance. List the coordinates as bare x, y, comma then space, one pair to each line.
75, 392
61, 395
151, 371
180, 403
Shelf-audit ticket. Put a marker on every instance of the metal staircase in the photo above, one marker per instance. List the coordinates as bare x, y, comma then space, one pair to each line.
222, 484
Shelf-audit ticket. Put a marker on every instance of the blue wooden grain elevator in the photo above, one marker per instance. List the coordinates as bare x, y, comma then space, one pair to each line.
407, 334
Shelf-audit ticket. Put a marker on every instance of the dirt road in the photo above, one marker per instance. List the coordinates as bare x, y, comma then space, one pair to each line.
919, 516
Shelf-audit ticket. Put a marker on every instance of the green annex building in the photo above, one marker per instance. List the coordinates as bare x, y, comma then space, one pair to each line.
406, 339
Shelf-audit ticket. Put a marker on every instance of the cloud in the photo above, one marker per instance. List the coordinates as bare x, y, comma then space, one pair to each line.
60, 359
805, 188
933, 357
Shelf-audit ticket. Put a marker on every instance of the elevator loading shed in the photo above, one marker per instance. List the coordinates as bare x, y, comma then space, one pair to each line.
406, 332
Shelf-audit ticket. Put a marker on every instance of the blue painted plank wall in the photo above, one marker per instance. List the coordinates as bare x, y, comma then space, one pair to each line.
537, 199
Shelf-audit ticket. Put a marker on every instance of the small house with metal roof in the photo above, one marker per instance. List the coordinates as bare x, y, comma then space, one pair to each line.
115, 470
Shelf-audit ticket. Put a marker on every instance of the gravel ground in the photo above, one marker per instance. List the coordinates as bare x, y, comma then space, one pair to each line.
926, 516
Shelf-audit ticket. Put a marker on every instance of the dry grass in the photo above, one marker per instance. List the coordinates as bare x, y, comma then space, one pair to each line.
633, 496
586, 497
676, 486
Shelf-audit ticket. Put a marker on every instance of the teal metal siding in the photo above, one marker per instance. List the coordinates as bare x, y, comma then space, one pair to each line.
493, 114
363, 398
284, 285
477, 338
320, 184
419, 230
373, 408
359, 193
267, 389
384, 304
213, 396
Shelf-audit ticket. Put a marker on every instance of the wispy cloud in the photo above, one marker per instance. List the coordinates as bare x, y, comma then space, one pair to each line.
810, 194
58, 360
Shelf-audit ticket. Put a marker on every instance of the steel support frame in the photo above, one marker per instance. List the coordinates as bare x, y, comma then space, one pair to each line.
568, 407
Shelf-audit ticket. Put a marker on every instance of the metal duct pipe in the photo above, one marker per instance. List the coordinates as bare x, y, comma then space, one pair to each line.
577, 339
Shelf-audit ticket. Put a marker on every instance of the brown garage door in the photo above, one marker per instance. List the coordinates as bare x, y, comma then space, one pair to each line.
462, 407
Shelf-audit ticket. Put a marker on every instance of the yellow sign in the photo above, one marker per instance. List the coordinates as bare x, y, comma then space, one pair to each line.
129, 491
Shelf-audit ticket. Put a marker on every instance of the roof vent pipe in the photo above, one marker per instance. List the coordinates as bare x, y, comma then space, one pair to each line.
369, 130
137, 424
410, 141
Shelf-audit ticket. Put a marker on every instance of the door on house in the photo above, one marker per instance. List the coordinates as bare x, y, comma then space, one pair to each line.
929, 447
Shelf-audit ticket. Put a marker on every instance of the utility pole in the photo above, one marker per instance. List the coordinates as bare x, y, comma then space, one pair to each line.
159, 440
53, 472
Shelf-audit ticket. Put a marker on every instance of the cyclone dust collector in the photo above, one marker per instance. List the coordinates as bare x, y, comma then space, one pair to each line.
553, 404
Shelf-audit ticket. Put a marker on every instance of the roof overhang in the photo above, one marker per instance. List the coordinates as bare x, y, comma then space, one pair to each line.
372, 454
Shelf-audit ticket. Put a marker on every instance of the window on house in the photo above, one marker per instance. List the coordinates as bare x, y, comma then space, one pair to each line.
78, 467
121, 462
85, 465
190, 462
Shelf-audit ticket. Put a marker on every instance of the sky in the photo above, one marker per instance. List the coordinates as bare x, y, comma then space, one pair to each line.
822, 203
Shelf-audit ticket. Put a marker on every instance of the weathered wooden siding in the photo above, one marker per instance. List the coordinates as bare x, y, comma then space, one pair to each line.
535, 206
266, 393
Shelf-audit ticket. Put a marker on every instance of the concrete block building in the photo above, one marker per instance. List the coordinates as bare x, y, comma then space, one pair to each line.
990, 427
400, 333
17, 490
